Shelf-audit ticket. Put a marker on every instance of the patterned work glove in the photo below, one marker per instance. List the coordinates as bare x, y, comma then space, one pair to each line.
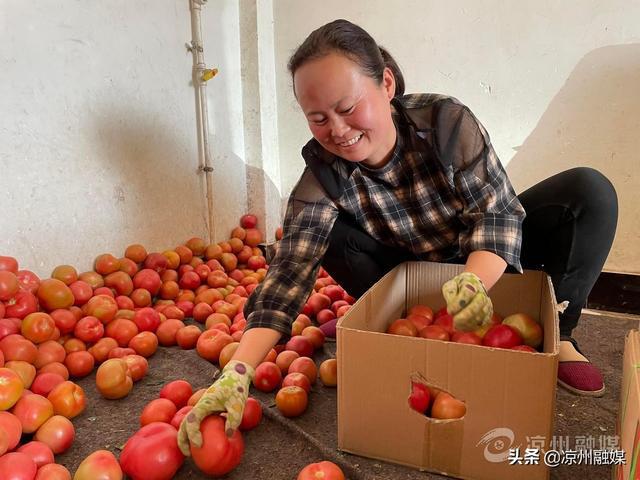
227, 394
468, 302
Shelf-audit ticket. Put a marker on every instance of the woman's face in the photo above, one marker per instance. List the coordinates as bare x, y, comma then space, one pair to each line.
348, 112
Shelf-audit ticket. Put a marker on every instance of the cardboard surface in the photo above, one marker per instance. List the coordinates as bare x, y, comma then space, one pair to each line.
628, 425
509, 395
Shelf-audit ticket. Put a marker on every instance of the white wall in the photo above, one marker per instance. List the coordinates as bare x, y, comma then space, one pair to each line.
97, 128
555, 82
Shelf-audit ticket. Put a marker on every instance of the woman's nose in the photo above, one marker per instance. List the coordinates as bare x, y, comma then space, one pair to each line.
339, 128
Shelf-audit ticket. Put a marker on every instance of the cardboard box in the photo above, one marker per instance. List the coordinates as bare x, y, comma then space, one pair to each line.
628, 424
509, 395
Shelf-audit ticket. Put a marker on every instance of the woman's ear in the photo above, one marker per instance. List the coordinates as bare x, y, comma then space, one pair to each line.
389, 83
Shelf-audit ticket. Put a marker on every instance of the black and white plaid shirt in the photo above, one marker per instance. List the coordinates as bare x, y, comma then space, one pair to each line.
443, 195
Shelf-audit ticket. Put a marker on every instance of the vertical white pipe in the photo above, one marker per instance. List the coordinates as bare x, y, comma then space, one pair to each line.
202, 122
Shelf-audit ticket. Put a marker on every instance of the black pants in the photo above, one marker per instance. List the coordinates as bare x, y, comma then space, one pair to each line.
568, 232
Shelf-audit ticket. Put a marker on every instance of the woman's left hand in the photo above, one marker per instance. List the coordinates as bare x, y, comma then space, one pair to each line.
468, 302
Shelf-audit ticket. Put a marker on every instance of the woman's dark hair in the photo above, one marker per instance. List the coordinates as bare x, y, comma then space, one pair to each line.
352, 41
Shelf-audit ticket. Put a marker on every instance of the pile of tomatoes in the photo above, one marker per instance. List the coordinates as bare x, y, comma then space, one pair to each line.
116, 316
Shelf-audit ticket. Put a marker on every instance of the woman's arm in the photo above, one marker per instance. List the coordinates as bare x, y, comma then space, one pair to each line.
486, 265
255, 344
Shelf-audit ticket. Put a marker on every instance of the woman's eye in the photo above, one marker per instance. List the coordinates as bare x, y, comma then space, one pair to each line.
319, 122
348, 110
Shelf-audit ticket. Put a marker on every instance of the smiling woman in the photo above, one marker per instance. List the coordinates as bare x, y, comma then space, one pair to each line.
392, 177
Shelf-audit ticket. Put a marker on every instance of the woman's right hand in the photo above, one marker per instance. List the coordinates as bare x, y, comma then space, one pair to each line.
228, 394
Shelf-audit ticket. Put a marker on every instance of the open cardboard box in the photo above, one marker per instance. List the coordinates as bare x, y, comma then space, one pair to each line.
628, 425
509, 395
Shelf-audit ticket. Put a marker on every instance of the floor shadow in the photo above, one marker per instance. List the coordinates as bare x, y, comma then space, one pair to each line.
594, 121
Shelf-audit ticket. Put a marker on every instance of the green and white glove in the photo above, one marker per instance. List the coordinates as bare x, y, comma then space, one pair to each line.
468, 302
227, 394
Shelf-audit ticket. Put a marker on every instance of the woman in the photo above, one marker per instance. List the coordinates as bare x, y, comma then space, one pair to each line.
393, 177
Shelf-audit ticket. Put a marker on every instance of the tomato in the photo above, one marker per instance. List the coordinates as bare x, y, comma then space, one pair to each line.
25, 371
9, 285
68, 399
53, 471
211, 343
74, 345
120, 352
53, 294
101, 464
178, 391
147, 319
11, 388
328, 372
29, 281
82, 292
158, 410
92, 278
55, 367
145, 343
187, 337
166, 332
501, 336
10, 424
434, 332
128, 266
39, 452
120, 282
16, 347
22, 304
9, 326
64, 319
122, 330
102, 307
32, 411
179, 416
17, 466
268, 377
102, 347
137, 366
446, 406
152, 453
8, 264
218, 454
57, 432
149, 280
45, 382
307, 366
252, 415
106, 264
80, 364
38, 327
321, 471
420, 397
297, 379
291, 401
113, 380
89, 329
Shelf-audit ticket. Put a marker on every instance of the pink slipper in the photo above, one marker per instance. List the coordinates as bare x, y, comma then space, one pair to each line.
581, 378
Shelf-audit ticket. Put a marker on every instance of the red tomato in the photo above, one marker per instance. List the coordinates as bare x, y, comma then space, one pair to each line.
137, 365
8, 264
57, 432
10, 424
268, 377
82, 292
252, 415
179, 416
307, 366
152, 453
32, 411
420, 397
291, 401
218, 454
53, 294
100, 464
29, 281
80, 364
167, 330
39, 452
297, 379
113, 380
64, 319
147, 319
68, 399
45, 382
178, 392
158, 410
9, 285
322, 470
53, 471
17, 466
122, 330
103, 307
22, 304
144, 343
89, 329
11, 388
